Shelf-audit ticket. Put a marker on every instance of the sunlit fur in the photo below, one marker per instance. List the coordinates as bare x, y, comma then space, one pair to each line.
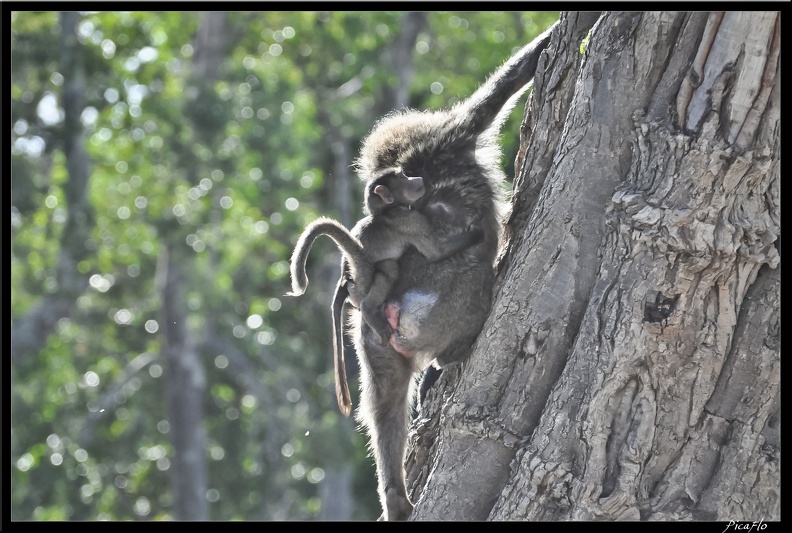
457, 154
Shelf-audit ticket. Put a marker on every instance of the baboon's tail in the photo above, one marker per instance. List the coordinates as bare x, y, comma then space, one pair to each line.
339, 364
492, 102
348, 244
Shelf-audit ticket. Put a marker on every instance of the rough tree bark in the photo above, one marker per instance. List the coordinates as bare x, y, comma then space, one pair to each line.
630, 367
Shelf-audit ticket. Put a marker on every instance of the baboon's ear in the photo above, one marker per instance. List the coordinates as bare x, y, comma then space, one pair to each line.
384, 193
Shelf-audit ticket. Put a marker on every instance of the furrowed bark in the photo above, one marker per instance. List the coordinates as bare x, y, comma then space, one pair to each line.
630, 368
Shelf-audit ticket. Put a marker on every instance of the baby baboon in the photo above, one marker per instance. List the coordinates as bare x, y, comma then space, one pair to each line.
436, 308
370, 251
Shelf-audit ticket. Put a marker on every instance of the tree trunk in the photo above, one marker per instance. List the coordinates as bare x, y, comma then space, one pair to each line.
630, 368
399, 56
186, 384
336, 494
30, 333
185, 375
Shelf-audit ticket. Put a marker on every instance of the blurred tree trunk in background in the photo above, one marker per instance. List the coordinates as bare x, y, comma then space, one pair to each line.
185, 382
630, 368
399, 57
30, 332
185, 378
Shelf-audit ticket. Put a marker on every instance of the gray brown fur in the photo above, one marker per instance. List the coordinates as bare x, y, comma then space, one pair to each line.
370, 251
443, 303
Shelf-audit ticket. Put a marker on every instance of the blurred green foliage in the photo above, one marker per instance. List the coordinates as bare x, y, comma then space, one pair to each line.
235, 175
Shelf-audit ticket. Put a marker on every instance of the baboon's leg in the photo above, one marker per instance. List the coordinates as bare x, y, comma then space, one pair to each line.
384, 410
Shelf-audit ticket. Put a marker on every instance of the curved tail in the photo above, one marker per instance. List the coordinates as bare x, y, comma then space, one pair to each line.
348, 244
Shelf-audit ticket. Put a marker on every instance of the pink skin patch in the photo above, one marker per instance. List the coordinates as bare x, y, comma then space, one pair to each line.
392, 310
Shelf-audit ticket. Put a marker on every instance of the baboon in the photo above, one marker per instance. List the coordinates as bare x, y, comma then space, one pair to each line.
436, 308
370, 251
